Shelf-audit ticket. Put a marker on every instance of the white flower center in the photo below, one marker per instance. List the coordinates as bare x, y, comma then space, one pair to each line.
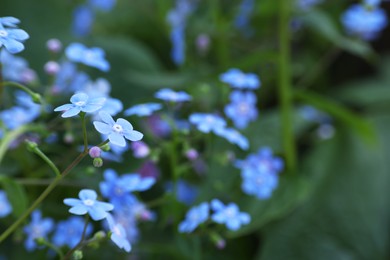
243, 108
89, 55
88, 202
229, 212
80, 103
117, 128
3, 33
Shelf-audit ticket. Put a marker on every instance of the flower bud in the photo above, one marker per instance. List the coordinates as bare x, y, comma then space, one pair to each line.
192, 154
51, 67
54, 45
95, 152
77, 255
98, 162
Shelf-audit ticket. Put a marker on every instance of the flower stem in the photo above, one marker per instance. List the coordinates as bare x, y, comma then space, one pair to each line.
285, 92
84, 127
44, 194
35, 96
35, 149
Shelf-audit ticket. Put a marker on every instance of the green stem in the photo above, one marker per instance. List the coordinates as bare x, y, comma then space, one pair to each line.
285, 94
44, 194
80, 243
35, 96
34, 148
84, 127
53, 247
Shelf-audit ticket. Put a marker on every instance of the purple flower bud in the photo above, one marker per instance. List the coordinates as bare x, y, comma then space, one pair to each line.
54, 45
51, 67
149, 169
28, 76
202, 43
68, 138
95, 152
221, 244
192, 154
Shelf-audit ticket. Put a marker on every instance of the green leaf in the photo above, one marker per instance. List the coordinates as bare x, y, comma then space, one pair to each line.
16, 195
339, 112
324, 25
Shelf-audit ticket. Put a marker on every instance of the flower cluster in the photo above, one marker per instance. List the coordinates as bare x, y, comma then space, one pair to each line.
11, 37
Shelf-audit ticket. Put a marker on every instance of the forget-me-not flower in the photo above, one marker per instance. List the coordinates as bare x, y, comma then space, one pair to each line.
207, 122
69, 232
93, 57
118, 236
83, 19
116, 131
13, 67
238, 79
229, 215
194, 217
81, 102
37, 228
88, 204
141, 110
170, 95
10, 37
364, 22
242, 108
233, 136
5, 206
102, 5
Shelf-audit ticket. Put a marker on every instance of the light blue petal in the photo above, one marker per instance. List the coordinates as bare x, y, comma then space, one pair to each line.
233, 224
102, 128
87, 194
18, 34
79, 97
71, 112
106, 118
117, 139
9, 21
217, 205
72, 202
13, 46
64, 107
134, 135
91, 108
245, 217
219, 217
74, 51
97, 213
125, 124
104, 205
78, 210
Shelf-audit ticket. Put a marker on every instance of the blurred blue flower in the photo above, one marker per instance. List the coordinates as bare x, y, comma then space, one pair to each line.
102, 5
363, 22
207, 122
242, 108
126, 217
237, 79
69, 232
37, 228
149, 169
372, 3
141, 110
5, 206
185, 192
68, 79
88, 204
81, 102
305, 5
11, 38
93, 57
13, 67
233, 136
241, 20
118, 236
158, 126
116, 131
169, 95
310, 113
83, 19
194, 217
140, 149
229, 215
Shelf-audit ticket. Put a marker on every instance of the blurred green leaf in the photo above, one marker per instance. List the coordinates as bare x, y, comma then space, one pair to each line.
323, 24
158, 80
15, 194
339, 112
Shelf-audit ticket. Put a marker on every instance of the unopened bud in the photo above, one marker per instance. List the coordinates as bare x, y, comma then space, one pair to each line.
54, 45
192, 154
95, 152
98, 162
51, 67
77, 255
106, 147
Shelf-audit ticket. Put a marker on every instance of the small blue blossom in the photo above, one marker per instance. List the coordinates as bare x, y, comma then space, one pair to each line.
233, 136
118, 236
68, 79
69, 232
103, 5
237, 79
83, 19
194, 217
141, 110
37, 228
158, 126
242, 108
363, 22
126, 217
242, 19
81, 103
185, 193
5, 206
88, 204
372, 3
169, 95
116, 131
10, 37
93, 57
13, 67
229, 215
305, 5
207, 122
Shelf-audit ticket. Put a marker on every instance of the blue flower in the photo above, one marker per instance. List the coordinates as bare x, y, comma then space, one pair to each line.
140, 110
307, 4
229, 215
242, 19
194, 217
83, 19
140, 149
242, 108
233, 136
88, 204
69, 232
38, 228
172, 96
103, 5
68, 79
116, 131
207, 122
372, 3
12, 38
185, 193
237, 79
13, 67
118, 236
93, 57
5, 206
363, 22
81, 103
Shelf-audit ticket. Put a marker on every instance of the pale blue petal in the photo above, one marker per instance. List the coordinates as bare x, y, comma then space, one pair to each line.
89, 108
13, 46
78, 209
75, 51
71, 112
106, 118
134, 135
18, 34
233, 224
97, 213
102, 128
87, 194
125, 124
79, 97
72, 202
245, 218
117, 139
64, 107
104, 205
217, 205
